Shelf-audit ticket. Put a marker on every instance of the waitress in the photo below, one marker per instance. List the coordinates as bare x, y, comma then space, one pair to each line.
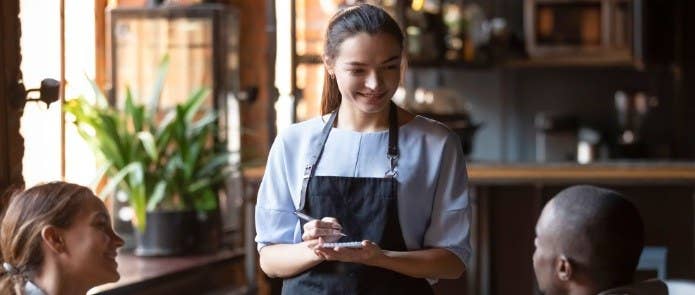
368, 171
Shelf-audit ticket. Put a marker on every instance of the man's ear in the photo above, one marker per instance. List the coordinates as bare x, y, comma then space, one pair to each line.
53, 238
563, 268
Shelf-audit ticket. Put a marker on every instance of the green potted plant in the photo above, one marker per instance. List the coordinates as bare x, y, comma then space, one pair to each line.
168, 163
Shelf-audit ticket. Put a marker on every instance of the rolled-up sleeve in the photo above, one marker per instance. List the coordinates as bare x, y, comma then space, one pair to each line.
451, 214
275, 221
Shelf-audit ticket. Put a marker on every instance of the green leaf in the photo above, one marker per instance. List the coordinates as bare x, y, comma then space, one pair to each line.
117, 179
100, 99
194, 102
106, 128
191, 159
210, 119
99, 175
157, 196
162, 69
213, 165
207, 200
138, 203
136, 113
150, 145
166, 123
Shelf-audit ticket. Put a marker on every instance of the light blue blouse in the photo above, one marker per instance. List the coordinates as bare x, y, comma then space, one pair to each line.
433, 205
31, 289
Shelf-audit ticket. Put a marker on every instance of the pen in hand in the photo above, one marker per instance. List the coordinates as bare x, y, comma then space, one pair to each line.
307, 218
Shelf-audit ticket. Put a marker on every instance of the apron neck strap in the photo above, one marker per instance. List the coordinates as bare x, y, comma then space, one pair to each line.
317, 149
393, 142
393, 131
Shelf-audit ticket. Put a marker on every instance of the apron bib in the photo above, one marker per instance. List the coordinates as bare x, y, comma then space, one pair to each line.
367, 208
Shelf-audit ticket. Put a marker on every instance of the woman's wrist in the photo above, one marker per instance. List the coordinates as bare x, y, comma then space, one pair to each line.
310, 252
379, 260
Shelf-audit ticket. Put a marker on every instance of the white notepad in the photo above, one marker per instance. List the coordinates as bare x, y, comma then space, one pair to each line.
343, 245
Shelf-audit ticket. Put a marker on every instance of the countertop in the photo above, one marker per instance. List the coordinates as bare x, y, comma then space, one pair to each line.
143, 272
612, 171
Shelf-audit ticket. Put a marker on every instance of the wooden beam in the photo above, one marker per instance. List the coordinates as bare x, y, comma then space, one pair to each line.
100, 42
11, 143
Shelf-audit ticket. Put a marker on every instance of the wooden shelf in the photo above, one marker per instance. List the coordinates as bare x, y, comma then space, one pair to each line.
315, 59
520, 63
570, 63
450, 64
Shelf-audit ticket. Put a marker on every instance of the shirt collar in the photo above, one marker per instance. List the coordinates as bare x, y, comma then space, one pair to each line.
32, 289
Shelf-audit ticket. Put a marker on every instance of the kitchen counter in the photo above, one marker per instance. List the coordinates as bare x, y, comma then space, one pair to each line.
666, 172
489, 172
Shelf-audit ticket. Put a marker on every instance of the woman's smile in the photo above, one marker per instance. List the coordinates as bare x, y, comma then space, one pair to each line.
373, 98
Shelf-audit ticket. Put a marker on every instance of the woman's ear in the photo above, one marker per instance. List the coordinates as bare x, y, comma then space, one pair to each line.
563, 268
404, 66
328, 65
53, 238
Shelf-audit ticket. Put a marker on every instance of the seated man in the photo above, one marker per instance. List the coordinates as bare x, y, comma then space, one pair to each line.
588, 241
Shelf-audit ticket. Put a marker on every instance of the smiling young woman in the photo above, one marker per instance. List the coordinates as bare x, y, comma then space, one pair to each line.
56, 239
370, 172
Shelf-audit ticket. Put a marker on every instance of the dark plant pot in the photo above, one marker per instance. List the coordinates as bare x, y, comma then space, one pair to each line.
209, 231
169, 233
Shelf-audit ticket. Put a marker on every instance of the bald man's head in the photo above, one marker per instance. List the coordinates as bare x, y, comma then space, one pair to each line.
597, 232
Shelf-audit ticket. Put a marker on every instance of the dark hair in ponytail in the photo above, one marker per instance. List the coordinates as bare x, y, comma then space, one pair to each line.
360, 18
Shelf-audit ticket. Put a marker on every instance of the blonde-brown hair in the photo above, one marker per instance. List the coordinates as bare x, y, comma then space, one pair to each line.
28, 212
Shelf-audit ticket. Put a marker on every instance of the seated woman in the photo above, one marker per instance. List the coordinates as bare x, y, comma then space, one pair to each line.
56, 238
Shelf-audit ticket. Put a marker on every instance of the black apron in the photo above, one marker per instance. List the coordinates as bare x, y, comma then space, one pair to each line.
367, 208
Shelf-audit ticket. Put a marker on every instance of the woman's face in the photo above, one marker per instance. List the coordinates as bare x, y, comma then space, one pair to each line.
91, 245
367, 69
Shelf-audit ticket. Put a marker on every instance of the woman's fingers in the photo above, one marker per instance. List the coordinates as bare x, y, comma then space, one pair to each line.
358, 255
326, 222
313, 233
330, 222
326, 227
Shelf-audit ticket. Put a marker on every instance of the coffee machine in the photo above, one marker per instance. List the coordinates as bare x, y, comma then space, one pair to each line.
632, 108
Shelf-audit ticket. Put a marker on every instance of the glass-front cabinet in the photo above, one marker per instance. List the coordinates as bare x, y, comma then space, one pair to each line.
202, 45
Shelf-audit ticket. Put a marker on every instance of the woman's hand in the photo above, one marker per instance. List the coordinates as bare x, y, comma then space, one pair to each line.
327, 228
365, 255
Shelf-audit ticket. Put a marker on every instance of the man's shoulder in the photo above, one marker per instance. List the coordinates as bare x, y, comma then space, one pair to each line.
650, 287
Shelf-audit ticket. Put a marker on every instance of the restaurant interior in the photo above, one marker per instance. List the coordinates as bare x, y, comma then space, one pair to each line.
543, 94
